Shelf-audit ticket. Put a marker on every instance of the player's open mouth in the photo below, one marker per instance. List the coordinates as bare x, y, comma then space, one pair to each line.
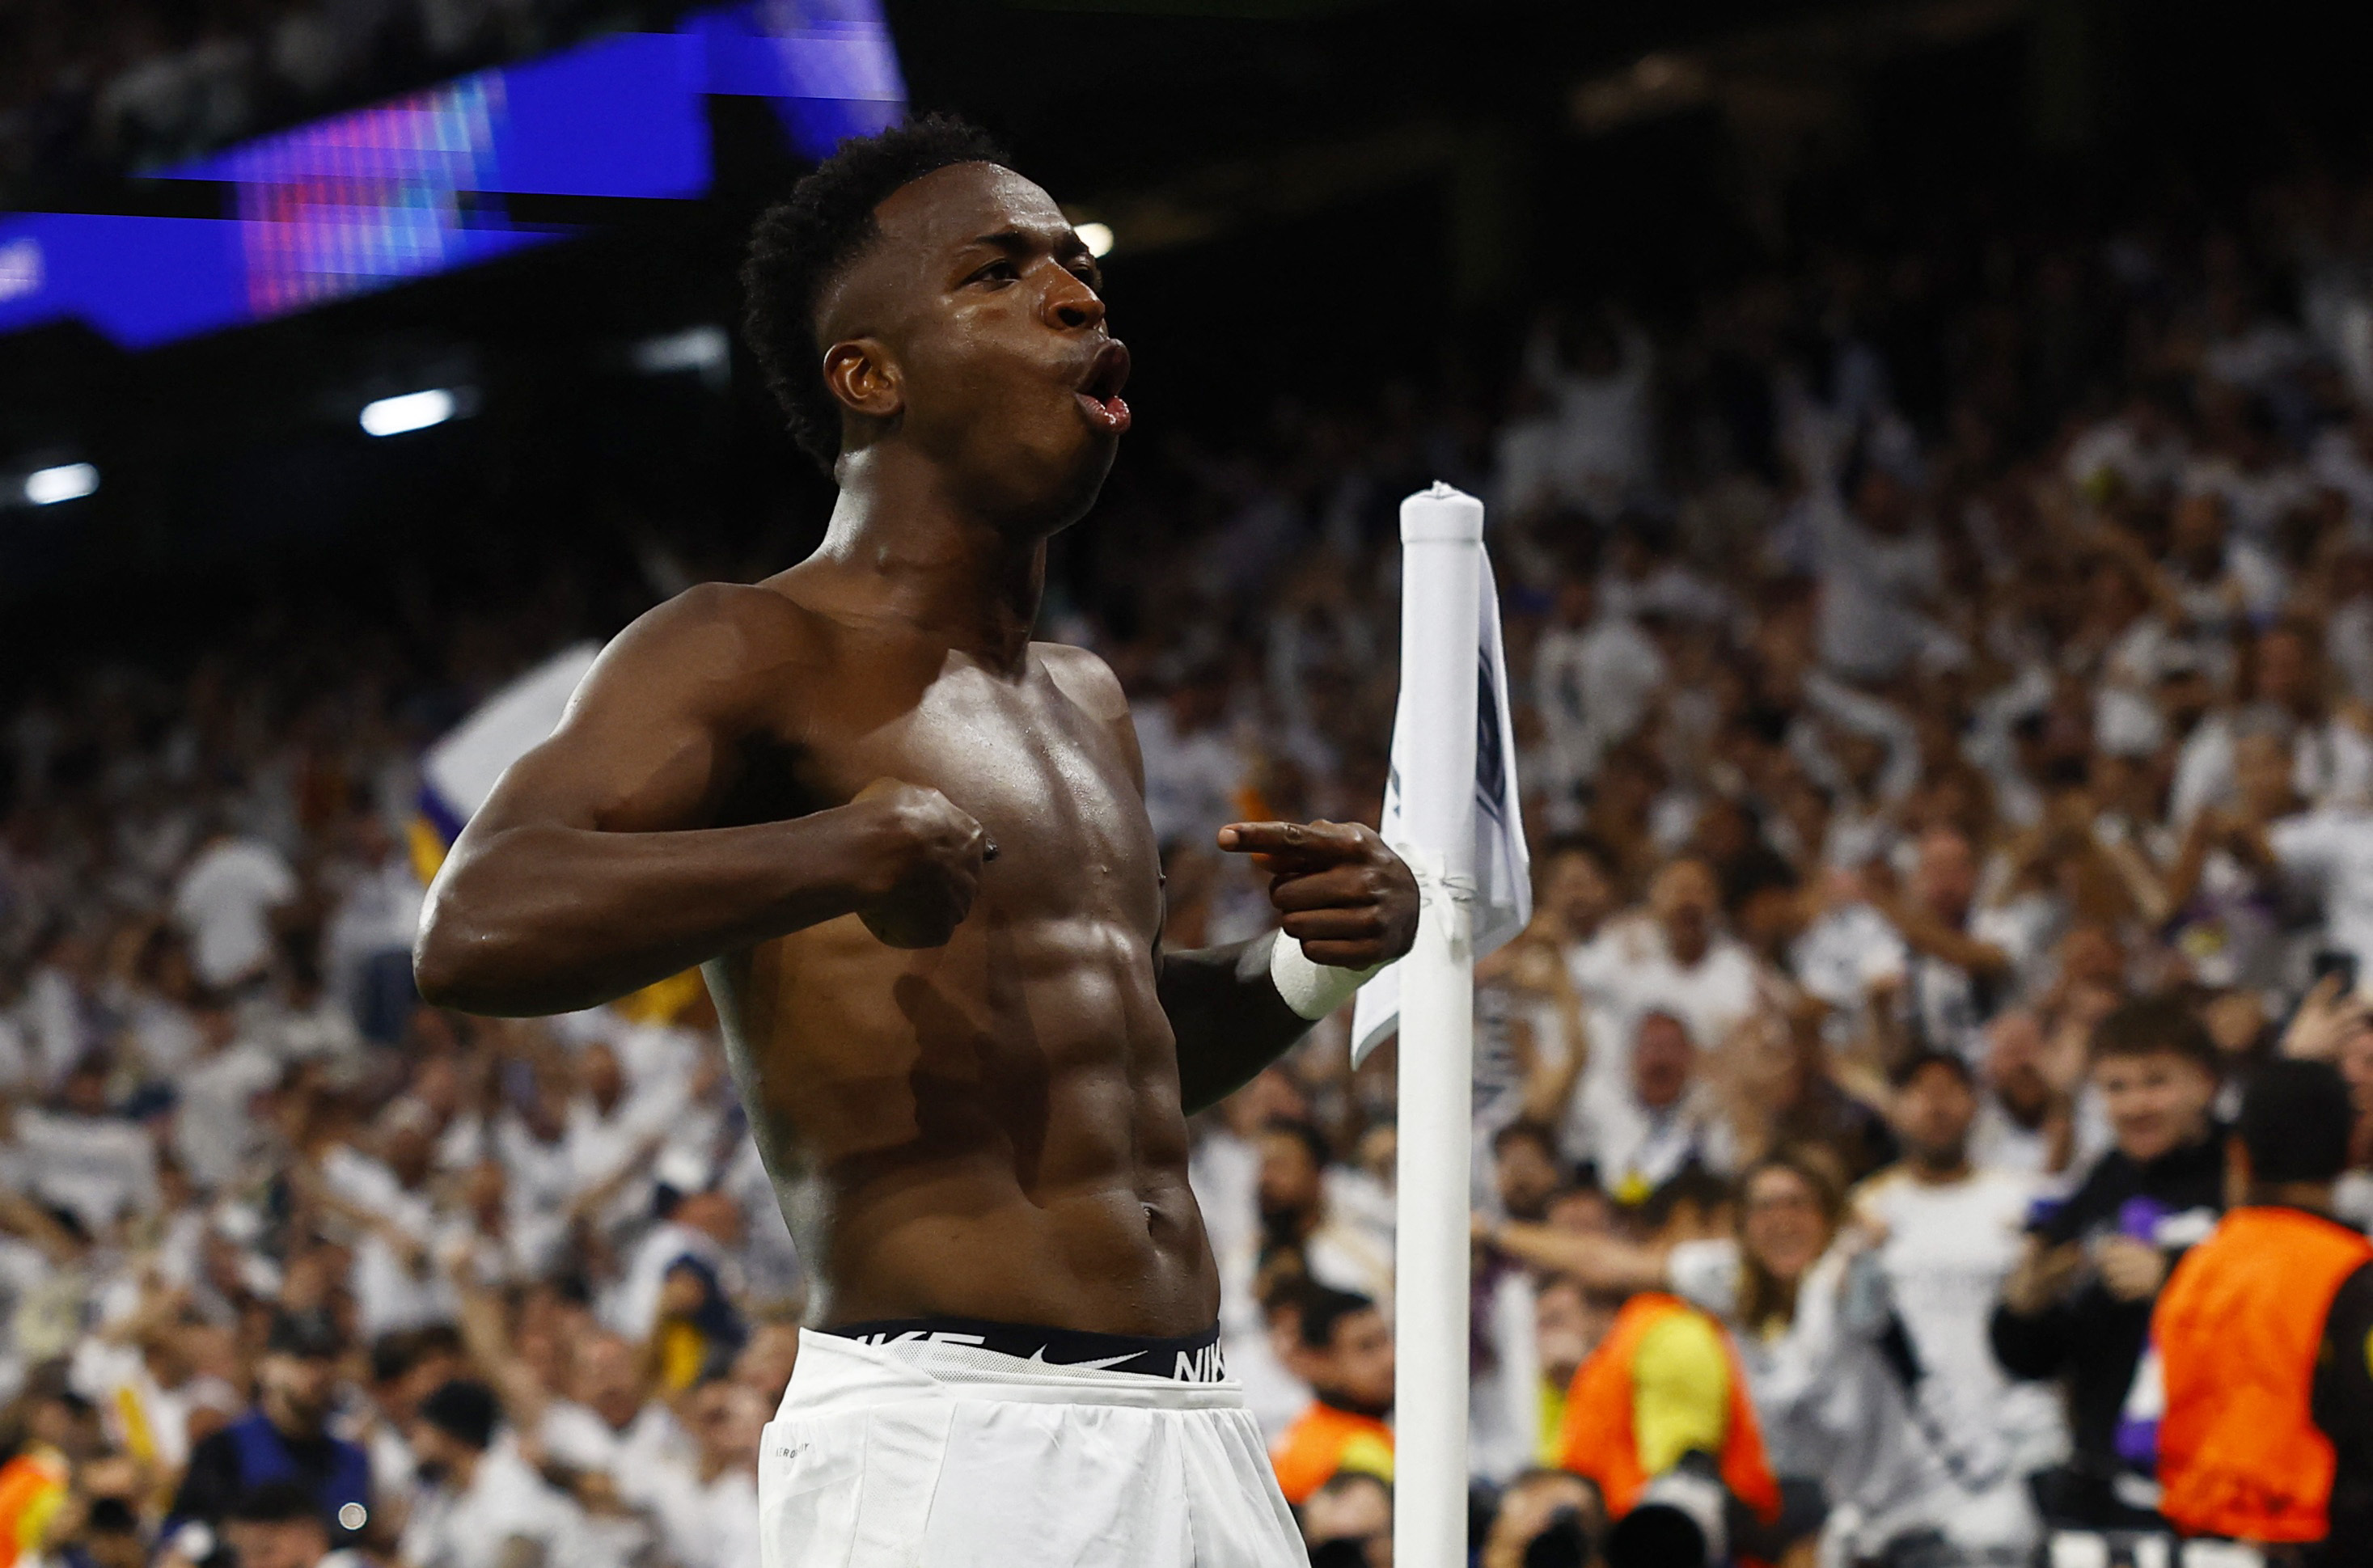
1099, 395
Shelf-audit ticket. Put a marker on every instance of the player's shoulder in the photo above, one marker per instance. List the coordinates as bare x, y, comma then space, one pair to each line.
712, 628
719, 650
1084, 677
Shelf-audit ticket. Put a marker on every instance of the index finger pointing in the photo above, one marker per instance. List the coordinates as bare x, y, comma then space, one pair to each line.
1261, 837
1290, 840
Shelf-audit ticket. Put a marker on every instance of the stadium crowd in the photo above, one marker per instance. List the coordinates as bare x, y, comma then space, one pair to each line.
1945, 707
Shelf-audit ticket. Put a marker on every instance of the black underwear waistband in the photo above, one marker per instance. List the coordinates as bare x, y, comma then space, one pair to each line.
1188, 1358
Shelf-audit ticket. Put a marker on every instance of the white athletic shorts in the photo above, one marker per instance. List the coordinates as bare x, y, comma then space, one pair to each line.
923, 1449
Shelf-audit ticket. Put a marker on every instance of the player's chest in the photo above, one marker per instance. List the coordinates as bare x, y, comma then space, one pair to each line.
1050, 784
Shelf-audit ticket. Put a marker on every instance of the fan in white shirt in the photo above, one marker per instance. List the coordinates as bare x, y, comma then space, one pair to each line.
609, 1423
1595, 676
225, 903
531, 1141
709, 1515
1322, 1209
2331, 760
1565, 1028
2138, 451
2325, 853
1880, 570
495, 1242
1224, 1169
596, 1416
77, 1157
1963, 965
2024, 1120
377, 917
612, 1125
215, 1130
150, 989
1674, 959
27, 1270
2341, 459
1947, 1234
704, 1228
486, 1507
395, 1281
1320, 1213
1192, 768
58, 1019
2331, 852
1658, 1122
1593, 449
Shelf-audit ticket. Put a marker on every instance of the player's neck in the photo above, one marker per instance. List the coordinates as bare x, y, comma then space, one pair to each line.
973, 582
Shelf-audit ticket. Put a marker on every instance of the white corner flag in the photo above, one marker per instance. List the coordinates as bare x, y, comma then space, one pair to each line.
1450, 812
1502, 867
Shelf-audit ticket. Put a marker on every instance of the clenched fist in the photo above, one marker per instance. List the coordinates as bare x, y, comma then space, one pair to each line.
1346, 899
927, 854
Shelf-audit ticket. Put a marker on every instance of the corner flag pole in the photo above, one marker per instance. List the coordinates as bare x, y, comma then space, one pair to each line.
1442, 556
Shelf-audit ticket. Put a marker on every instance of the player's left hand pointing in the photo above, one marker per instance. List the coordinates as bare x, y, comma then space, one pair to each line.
1348, 900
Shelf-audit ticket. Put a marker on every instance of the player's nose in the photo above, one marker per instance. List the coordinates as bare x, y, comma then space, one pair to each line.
1072, 306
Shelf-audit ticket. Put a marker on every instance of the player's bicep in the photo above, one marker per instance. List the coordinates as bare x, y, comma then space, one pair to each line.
651, 740
653, 778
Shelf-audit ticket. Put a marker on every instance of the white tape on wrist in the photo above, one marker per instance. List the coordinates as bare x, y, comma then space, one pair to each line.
1312, 989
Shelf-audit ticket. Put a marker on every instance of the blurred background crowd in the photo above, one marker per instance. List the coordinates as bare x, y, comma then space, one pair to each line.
1943, 664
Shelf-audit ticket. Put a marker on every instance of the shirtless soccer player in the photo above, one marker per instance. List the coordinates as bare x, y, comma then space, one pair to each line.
911, 847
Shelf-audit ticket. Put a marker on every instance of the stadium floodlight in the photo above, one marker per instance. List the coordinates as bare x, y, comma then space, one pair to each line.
704, 349
413, 411
1098, 235
66, 481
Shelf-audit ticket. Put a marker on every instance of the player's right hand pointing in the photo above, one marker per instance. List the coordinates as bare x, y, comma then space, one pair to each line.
928, 855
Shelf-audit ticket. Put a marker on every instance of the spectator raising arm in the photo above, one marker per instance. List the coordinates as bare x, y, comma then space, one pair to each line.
1599, 1262
1927, 932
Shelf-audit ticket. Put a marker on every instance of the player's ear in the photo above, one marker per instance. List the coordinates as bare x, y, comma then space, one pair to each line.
863, 378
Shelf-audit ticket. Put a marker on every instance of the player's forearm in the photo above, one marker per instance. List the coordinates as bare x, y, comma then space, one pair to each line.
1349, 907
543, 919
1230, 1019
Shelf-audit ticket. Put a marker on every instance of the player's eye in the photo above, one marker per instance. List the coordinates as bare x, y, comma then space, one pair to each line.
995, 272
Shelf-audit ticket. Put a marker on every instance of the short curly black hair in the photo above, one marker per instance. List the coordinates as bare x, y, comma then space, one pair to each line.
801, 243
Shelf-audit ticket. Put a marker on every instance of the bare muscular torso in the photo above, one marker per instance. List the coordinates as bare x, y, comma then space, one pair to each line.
992, 1127
964, 1069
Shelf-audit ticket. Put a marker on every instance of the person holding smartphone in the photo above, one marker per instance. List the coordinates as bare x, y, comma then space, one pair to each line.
2077, 1305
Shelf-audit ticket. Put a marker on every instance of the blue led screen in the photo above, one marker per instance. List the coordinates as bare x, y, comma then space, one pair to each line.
413, 186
